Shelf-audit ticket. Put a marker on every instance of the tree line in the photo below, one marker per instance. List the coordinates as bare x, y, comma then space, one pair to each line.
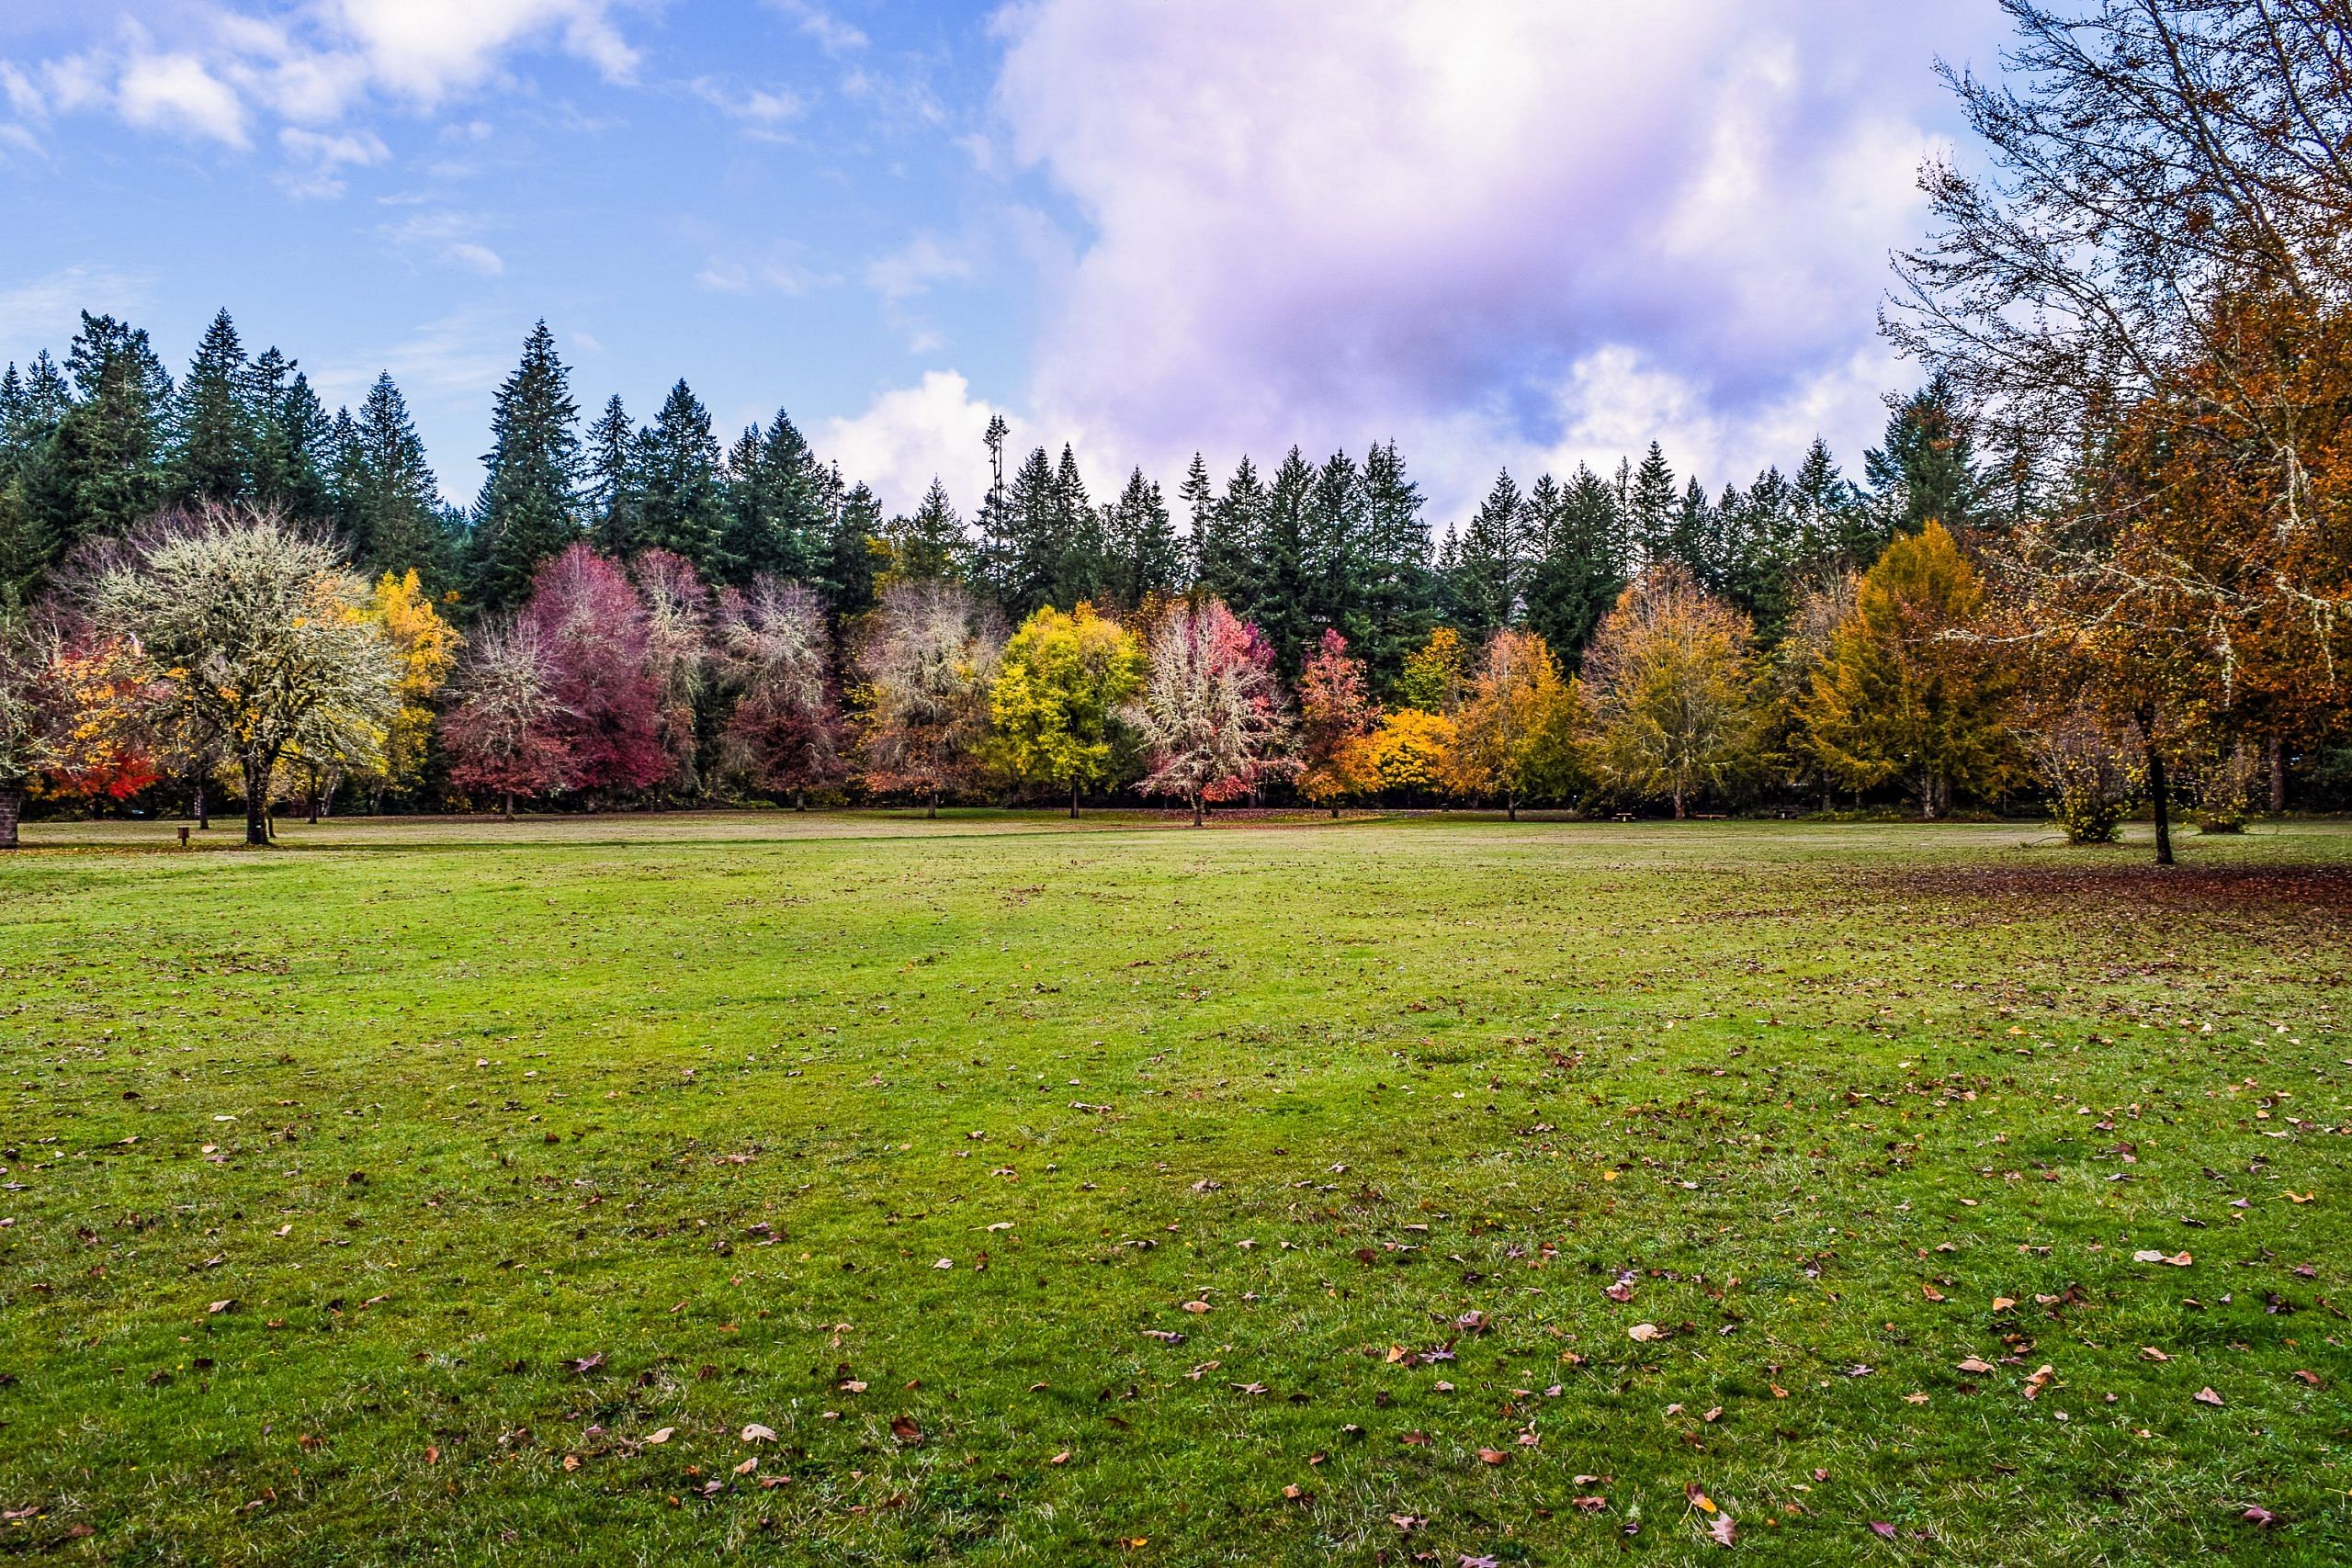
2100, 559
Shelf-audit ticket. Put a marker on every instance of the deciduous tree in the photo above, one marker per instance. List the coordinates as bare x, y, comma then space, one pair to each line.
924, 665
1061, 689
1336, 713
1211, 714
505, 729
784, 730
1516, 731
1665, 688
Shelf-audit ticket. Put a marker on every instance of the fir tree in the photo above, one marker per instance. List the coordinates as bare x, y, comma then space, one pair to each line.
213, 426
1280, 606
1339, 559
1199, 494
1650, 505
1145, 555
615, 487
101, 471
928, 546
1487, 583
529, 508
1081, 572
1581, 562
291, 434
1400, 606
1926, 471
1029, 541
682, 509
851, 542
1231, 547
395, 507
775, 524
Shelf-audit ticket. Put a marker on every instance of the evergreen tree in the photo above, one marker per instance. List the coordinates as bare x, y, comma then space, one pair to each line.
101, 471
346, 474
683, 509
615, 486
212, 425
1400, 598
1581, 560
1231, 547
395, 504
1145, 557
928, 546
1030, 544
1649, 507
1083, 571
1337, 566
1199, 494
1486, 585
529, 508
290, 438
1926, 471
852, 540
775, 524
1281, 608
1828, 512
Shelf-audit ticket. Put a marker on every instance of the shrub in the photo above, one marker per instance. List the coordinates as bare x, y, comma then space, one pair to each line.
2093, 773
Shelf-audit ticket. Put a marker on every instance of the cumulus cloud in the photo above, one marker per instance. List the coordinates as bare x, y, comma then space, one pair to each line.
1519, 230
909, 435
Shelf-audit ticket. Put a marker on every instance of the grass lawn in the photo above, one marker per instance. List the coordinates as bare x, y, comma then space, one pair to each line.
860, 1190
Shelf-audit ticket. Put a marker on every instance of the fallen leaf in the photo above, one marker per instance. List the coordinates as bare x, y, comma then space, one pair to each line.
1643, 1332
1722, 1529
2206, 1396
221, 1307
1699, 1499
660, 1437
1197, 1306
756, 1433
1061, 1457
1974, 1366
2003, 1303
1492, 1456
903, 1429
1881, 1529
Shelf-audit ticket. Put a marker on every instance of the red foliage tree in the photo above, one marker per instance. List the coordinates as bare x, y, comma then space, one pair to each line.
593, 628
502, 729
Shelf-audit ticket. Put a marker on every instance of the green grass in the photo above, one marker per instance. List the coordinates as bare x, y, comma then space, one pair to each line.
438, 1109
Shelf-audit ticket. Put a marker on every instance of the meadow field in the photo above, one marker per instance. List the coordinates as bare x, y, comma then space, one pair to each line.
855, 1188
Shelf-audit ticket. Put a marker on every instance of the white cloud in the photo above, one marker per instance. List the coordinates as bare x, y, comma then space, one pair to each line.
909, 435
763, 113
450, 237
833, 36
1515, 231
47, 311
311, 64
175, 92
315, 158
776, 274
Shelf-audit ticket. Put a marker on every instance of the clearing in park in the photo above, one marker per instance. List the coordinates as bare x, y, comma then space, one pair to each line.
856, 1189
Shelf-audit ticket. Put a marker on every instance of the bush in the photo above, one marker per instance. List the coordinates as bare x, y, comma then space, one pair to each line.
2223, 790
2093, 773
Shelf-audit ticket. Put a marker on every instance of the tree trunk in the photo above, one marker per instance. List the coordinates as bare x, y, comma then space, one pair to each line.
932, 810
2277, 775
1196, 809
507, 810
1073, 800
1928, 796
800, 800
257, 801
314, 798
1335, 811
200, 809
1678, 809
12, 808
2156, 792
1511, 799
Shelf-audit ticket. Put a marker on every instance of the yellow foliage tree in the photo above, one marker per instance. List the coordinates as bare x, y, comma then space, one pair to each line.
1407, 751
1515, 733
425, 650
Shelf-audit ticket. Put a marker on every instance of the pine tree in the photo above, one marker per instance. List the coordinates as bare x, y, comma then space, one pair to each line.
101, 471
1824, 504
1401, 591
1199, 494
396, 514
928, 546
1030, 541
682, 509
529, 508
292, 433
773, 522
213, 428
616, 488
1581, 562
1926, 471
1082, 572
852, 540
1650, 510
1486, 585
1338, 566
346, 475
1141, 537
1231, 548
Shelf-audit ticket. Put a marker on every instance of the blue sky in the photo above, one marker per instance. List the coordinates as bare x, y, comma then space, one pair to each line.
1501, 231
